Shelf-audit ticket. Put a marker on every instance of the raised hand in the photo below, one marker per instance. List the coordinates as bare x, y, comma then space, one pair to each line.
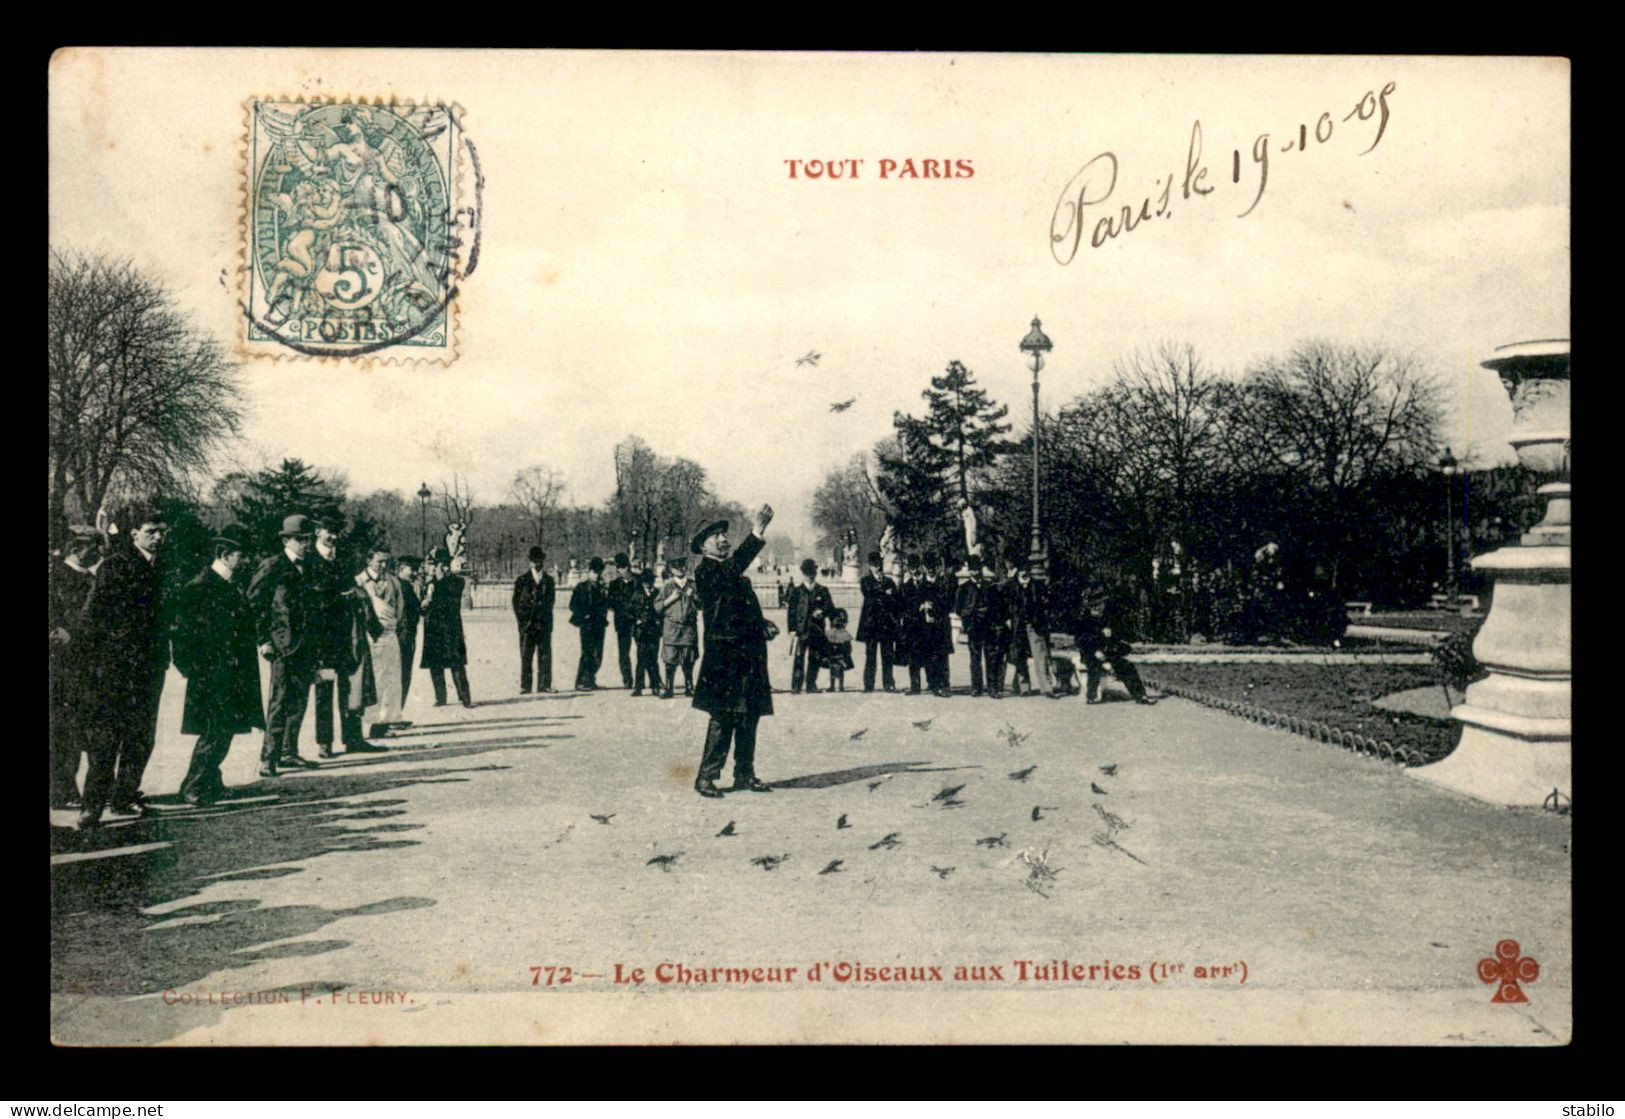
764, 516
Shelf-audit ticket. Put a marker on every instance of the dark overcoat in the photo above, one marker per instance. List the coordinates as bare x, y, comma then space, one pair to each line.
123, 635
333, 584
733, 668
808, 610
353, 659
214, 640
913, 632
1027, 606
533, 603
980, 607
589, 605
411, 614
288, 601
443, 644
882, 608
941, 640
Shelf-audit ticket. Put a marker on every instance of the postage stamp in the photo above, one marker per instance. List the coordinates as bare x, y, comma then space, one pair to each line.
356, 230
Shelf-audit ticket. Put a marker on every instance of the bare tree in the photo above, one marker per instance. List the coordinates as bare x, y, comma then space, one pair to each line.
847, 499
539, 491
139, 398
457, 501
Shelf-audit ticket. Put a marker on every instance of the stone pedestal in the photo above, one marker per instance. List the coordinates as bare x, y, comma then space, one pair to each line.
1516, 742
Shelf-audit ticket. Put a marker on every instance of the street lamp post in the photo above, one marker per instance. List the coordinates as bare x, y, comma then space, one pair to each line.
423, 519
1035, 346
1447, 467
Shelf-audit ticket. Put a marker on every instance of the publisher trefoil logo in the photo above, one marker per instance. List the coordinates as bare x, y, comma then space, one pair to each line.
1508, 969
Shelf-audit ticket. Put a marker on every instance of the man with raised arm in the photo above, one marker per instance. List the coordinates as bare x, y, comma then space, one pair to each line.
733, 687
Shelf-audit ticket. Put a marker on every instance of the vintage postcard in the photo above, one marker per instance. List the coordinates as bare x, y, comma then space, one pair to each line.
559, 547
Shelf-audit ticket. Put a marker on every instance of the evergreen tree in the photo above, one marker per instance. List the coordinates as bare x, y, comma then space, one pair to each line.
943, 459
264, 498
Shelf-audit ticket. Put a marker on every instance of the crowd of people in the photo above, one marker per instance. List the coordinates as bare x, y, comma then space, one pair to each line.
349, 637
903, 624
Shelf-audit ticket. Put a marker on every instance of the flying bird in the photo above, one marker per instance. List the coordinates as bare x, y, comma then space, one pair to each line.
942, 871
1097, 790
948, 792
768, 862
841, 823
888, 841
664, 862
1040, 809
1022, 774
991, 841
834, 867
843, 405
809, 358
924, 724
857, 734
602, 819
727, 829
1109, 769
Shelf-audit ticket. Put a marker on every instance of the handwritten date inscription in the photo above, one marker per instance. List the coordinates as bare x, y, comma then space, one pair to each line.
1095, 182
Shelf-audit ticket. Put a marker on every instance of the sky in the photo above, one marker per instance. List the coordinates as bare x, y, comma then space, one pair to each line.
648, 264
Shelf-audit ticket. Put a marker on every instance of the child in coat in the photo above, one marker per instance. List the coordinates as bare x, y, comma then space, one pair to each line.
838, 650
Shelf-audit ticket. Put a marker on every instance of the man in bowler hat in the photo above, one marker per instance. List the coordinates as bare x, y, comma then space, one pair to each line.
214, 643
734, 688
411, 613
877, 625
533, 596
289, 599
622, 588
589, 613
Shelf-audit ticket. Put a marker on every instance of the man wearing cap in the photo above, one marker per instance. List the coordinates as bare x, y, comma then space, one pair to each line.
533, 596
981, 610
1101, 647
443, 644
678, 607
589, 613
126, 645
288, 601
808, 607
72, 577
214, 641
411, 613
877, 625
622, 588
734, 688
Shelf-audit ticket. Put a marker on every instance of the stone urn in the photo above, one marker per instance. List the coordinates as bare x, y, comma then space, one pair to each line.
1516, 737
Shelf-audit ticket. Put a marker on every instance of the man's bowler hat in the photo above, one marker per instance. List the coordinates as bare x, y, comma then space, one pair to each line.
621, 560
809, 566
875, 559
440, 555
537, 555
595, 564
696, 543
297, 524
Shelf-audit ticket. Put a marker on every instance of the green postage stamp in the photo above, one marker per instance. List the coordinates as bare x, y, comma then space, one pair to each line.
360, 225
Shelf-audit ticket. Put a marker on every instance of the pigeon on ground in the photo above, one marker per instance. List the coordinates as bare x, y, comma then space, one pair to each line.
1023, 774
888, 841
834, 867
768, 862
1097, 790
664, 862
1039, 809
873, 785
948, 792
991, 841
942, 871
923, 724
809, 358
857, 734
952, 803
1109, 769
843, 405
841, 823
727, 829
602, 819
